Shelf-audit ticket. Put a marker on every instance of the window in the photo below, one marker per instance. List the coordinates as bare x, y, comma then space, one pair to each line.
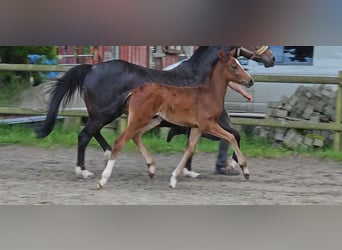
293, 55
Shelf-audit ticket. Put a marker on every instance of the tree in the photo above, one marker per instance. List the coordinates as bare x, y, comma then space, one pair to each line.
19, 54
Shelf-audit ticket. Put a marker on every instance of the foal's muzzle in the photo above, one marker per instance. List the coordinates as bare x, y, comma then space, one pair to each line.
248, 83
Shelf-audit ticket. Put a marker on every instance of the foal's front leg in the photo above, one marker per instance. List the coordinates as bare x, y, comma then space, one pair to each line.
217, 130
151, 163
195, 134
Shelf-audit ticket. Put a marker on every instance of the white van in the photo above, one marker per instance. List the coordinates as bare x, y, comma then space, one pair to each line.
290, 60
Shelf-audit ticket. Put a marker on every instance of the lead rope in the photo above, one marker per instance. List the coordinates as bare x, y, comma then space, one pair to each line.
238, 50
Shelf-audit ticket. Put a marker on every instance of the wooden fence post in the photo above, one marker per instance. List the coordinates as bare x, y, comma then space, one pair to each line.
122, 124
337, 137
72, 122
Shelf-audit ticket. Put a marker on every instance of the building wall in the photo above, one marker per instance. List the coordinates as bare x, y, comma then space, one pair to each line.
135, 54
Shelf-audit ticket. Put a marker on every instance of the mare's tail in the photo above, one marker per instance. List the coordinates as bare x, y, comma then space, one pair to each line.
64, 88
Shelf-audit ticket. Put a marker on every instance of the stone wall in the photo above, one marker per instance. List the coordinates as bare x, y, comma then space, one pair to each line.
308, 103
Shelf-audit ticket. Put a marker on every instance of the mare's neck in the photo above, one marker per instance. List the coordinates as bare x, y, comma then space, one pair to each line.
199, 65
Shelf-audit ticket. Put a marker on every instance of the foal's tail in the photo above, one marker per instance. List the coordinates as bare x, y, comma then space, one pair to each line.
64, 89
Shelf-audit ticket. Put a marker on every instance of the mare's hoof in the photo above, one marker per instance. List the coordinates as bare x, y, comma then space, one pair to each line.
190, 173
85, 174
151, 175
246, 176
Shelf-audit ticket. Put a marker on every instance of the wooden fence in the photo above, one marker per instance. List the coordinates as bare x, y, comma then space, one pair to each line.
267, 122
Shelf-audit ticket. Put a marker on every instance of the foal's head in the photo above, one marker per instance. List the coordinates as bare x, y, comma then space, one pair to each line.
233, 70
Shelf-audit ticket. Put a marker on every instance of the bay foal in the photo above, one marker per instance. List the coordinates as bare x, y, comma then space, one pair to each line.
197, 107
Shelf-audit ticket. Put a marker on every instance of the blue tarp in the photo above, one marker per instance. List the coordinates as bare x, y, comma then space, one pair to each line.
41, 59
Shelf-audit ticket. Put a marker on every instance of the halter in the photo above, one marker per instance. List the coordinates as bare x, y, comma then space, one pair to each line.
254, 54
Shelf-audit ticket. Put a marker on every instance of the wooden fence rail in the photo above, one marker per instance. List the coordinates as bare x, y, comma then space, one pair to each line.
267, 122
33, 67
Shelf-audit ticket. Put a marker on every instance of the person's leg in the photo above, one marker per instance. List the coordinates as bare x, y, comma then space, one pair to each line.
222, 166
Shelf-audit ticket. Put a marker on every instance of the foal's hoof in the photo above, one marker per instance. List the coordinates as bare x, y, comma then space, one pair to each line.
246, 176
99, 186
173, 182
151, 175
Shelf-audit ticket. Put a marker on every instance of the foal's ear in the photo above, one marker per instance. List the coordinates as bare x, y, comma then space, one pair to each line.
223, 56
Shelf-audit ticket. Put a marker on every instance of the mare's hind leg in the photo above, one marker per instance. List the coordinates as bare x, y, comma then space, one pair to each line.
92, 128
195, 134
104, 144
83, 139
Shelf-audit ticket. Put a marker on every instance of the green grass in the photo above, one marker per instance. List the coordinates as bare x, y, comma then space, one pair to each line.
11, 87
156, 143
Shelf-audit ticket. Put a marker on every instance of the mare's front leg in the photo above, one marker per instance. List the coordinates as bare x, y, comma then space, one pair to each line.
195, 134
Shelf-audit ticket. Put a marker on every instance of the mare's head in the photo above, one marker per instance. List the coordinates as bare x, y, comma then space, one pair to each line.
233, 71
261, 54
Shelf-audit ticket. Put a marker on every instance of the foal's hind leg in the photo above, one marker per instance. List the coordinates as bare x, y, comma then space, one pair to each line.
134, 128
118, 145
195, 134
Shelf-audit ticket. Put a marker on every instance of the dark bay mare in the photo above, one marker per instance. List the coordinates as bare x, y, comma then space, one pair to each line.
197, 107
104, 87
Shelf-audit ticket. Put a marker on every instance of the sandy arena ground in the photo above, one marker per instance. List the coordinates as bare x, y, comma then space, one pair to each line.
32, 175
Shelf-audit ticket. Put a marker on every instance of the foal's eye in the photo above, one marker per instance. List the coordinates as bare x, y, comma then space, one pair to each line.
234, 66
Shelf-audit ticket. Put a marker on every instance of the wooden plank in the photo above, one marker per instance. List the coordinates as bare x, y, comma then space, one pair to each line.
257, 78
296, 79
269, 122
33, 67
27, 111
